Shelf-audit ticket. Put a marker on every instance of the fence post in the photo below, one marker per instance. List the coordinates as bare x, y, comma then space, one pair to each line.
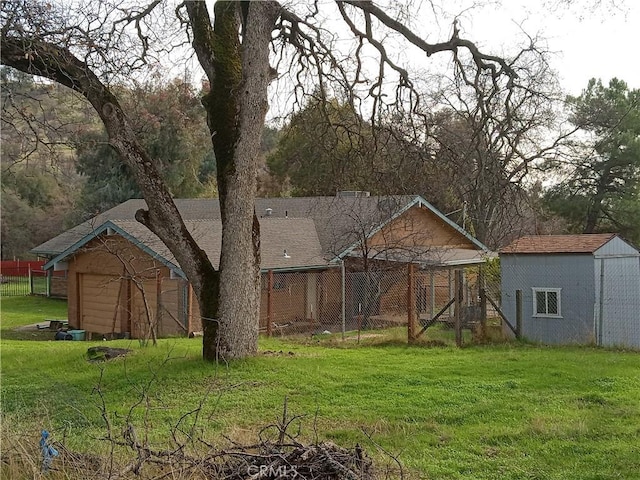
518, 314
411, 303
452, 292
344, 298
269, 302
482, 283
159, 305
458, 287
30, 281
433, 292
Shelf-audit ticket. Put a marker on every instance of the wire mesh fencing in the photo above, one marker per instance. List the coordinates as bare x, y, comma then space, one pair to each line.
579, 299
416, 300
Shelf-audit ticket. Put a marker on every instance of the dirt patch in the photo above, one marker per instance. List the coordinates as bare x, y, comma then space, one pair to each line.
102, 354
281, 353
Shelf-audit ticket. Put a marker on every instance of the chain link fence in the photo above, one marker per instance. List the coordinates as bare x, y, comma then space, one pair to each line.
560, 301
416, 300
596, 303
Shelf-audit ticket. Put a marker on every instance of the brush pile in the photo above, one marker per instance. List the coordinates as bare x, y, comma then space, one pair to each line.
264, 461
277, 455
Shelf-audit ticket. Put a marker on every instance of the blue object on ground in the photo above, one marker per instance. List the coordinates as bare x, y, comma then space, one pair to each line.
48, 452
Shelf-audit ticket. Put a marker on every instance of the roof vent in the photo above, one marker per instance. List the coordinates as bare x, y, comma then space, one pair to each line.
268, 211
286, 255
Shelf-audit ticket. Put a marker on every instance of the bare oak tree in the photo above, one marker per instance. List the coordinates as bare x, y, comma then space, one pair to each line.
90, 46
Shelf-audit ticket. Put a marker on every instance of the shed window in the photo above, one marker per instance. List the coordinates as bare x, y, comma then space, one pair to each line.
546, 302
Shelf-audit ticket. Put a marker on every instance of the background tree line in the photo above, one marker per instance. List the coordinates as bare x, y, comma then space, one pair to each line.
58, 169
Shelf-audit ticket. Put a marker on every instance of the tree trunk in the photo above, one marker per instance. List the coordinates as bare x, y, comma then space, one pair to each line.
239, 74
595, 209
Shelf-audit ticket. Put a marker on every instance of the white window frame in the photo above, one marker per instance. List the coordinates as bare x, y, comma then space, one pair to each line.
557, 291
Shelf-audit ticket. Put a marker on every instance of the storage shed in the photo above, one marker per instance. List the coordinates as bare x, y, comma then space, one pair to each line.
582, 289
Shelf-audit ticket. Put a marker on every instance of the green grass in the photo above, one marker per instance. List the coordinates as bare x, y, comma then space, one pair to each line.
510, 411
26, 310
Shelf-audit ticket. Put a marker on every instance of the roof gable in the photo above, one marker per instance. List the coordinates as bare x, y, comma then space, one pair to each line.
149, 243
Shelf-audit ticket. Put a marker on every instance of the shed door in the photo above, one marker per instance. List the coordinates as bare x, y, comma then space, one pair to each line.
103, 303
620, 321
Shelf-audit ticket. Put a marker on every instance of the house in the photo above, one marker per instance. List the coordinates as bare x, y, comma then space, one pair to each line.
121, 279
575, 288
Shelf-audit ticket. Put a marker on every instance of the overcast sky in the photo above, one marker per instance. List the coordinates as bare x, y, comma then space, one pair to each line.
589, 38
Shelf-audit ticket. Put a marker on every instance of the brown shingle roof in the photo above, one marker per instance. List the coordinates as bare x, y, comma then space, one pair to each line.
339, 220
295, 235
541, 244
313, 230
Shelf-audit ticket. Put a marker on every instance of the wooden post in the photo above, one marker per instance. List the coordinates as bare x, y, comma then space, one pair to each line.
433, 293
458, 287
518, 314
313, 326
411, 303
482, 285
78, 321
159, 312
343, 299
269, 302
452, 293
189, 308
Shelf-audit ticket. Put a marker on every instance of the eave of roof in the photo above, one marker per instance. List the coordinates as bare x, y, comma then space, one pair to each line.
433, 257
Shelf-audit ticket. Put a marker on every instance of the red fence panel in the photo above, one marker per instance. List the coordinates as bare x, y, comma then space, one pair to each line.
19, 268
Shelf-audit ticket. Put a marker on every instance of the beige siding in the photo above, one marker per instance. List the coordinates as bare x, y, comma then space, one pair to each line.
101, 309
419, 226
58, 287
108, 283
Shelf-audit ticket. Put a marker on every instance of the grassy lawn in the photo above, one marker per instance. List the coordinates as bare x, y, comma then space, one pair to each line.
511, 411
